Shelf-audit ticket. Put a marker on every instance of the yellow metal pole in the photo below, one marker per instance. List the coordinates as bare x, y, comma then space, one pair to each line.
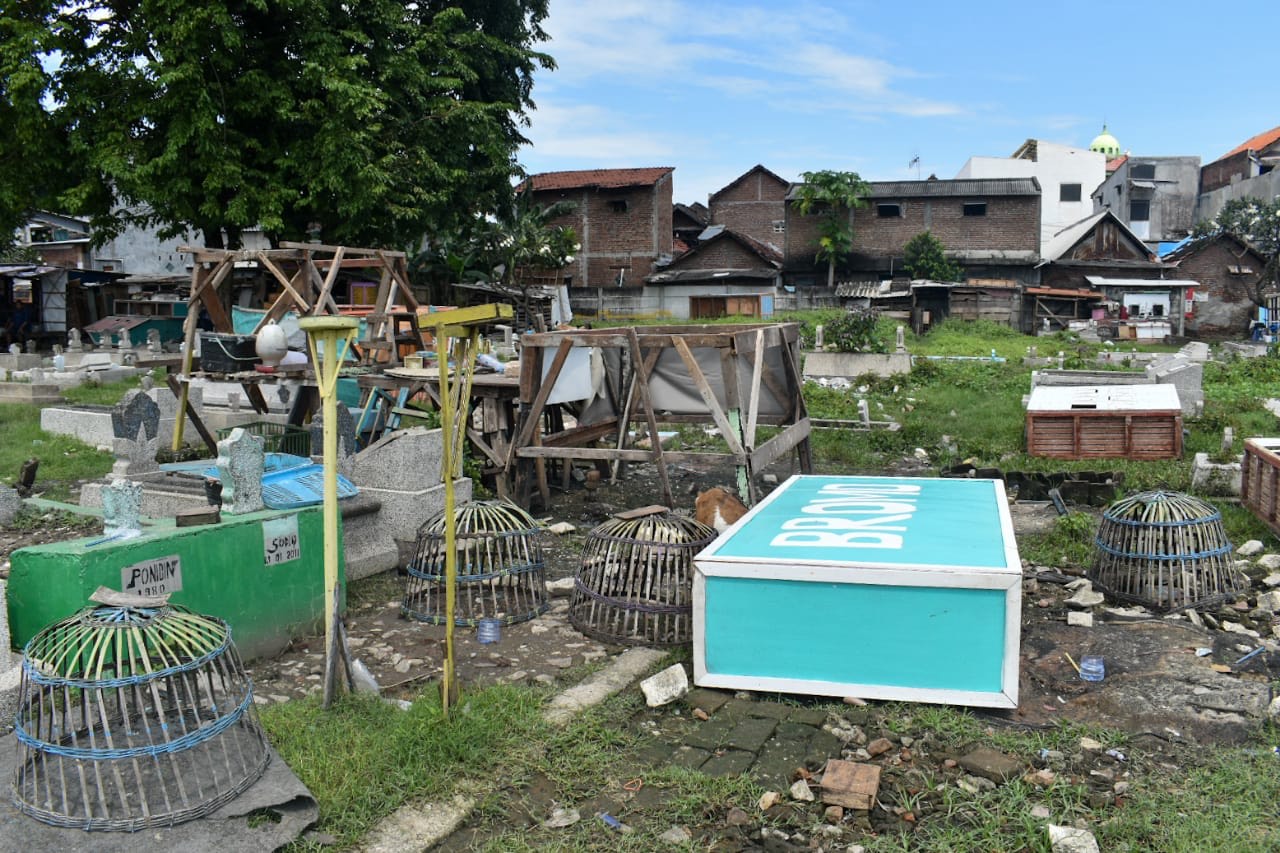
328, 330
449, 682
462, 324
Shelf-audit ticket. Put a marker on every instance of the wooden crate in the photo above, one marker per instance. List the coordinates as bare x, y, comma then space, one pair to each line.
1105, 422
1260, 480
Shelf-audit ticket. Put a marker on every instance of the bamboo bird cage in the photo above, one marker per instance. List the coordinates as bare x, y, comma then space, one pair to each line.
1166, 551
501, 571
635, 585
132, 717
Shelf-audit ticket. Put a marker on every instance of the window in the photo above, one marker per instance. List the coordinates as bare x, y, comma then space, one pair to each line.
1139, 210
975, 208
618, 205
886, 210
1068, 192
779, 226
1142, 172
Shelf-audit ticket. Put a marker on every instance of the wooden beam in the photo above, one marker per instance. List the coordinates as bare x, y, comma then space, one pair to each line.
709, 397
781, 443
321, 247
544, 391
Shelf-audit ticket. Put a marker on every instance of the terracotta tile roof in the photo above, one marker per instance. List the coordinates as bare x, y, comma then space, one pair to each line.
1112, 165
598, 178
1257, 143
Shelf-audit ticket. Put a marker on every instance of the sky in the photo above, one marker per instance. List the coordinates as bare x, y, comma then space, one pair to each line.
714, 88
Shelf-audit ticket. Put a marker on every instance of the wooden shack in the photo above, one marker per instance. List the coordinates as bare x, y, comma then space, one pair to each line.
1105, 422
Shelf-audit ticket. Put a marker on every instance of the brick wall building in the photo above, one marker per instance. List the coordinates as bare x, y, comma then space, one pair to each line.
753, 204
1228, 272
623, 219
981, 223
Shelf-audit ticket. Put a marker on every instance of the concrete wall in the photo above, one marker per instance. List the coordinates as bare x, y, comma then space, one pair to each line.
1264, 187
223, 574
1055, 165
1172, 200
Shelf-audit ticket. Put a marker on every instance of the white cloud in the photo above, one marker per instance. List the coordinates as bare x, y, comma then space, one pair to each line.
740, 51
590, 136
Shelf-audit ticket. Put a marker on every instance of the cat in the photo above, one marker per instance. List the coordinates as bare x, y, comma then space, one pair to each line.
718, 508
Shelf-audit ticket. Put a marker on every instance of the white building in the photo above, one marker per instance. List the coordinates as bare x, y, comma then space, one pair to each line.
1068, 176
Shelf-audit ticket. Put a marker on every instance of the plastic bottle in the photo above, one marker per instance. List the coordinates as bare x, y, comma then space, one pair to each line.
1092, 668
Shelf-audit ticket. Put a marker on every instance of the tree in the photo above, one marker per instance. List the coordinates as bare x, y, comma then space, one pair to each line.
1256, 223
375, 121
833, 196
923, 257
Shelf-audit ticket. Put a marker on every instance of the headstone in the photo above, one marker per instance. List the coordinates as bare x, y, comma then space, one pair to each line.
135, 456
123, 342
136, 409
15, 349
819, 337
1228, 438
240, 461
153, 340
233, 400
73, 341
864, 413
37, 376
10, 503
122, 507
31, 346
346, 433
900, 340
57, 349
147, 382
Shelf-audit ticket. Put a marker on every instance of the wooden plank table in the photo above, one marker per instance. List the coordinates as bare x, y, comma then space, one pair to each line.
494, 395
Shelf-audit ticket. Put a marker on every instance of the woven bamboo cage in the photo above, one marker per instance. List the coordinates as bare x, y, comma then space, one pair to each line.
134, 717
501, 572
635, 585
1166, 551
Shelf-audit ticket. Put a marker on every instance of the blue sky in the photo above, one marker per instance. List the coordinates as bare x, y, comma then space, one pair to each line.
712, 88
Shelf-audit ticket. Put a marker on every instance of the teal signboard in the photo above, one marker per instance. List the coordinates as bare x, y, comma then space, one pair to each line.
882, 520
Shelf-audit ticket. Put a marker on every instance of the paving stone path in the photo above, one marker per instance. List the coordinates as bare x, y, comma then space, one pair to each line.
766, 740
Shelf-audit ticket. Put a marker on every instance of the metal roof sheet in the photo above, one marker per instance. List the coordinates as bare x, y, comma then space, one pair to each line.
962, 188
1104, 398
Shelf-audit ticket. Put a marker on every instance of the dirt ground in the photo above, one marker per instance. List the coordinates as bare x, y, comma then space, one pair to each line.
1162, 687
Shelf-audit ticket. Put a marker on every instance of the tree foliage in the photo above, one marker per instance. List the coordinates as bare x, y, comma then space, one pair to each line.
924, 257
1256, 223
377, 120
832, 195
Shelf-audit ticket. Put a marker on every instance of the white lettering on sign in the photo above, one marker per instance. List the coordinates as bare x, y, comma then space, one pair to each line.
152, 577
885, 510
280, 542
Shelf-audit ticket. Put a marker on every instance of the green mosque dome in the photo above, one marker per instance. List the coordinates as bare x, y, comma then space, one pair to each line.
1106, 144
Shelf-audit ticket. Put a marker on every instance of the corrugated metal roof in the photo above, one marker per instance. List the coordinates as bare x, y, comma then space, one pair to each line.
598, 178
1105, 398
1059, 244
1155, 283
962, 188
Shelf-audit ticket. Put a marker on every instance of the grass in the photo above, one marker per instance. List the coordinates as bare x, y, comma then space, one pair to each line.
63, 460
364, 758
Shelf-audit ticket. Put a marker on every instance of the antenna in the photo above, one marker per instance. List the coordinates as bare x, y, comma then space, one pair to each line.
915, 161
